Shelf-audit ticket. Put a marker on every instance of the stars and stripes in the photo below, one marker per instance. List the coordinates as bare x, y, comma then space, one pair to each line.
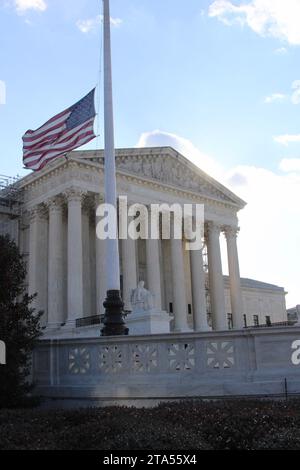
64, 132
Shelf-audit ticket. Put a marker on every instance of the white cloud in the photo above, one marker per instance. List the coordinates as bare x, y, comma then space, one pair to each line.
159, 138
295, 98
270, 223
23, 5
116, 21
275, 97
281, 51
91, 24
270, 226
290, 165
2, 92
275, 18
287, 139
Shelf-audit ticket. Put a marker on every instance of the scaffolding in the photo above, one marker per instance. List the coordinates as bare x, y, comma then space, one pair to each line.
11, 198
10, 195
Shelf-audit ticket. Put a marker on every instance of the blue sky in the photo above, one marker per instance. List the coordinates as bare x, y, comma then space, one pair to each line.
216, 79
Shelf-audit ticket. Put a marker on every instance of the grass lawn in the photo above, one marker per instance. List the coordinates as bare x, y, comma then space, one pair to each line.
192, 425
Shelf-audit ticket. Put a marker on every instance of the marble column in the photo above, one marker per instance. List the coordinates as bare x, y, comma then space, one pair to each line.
37, 275
198, 291
87, 295
129, 270
216, 282
178, 283
234, 277
55, 263
100, 265
75, 262
153, 271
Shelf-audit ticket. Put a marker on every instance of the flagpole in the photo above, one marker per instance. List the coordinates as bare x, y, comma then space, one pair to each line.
113, 318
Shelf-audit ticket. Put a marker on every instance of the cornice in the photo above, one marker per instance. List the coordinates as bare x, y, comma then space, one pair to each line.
156, 184
165, 151
76, 163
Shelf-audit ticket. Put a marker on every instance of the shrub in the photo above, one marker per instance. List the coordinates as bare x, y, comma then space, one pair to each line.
19, 326
190, 425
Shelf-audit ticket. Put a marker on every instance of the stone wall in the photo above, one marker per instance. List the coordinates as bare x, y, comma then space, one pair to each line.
253, 362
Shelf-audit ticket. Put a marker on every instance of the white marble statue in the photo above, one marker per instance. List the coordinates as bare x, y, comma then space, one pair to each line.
141, 299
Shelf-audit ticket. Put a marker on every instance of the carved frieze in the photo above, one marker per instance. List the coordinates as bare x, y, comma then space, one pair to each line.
161, 170
169, 171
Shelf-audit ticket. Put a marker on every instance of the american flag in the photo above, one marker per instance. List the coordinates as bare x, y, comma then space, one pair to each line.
64, 132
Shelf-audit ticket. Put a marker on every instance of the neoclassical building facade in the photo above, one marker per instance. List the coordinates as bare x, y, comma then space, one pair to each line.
66, 260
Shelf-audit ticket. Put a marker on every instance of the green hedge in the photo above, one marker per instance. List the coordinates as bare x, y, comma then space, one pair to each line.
179, 426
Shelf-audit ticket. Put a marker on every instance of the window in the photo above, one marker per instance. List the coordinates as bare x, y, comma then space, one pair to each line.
255, 320
189, 309
170, 307
229, 321
268, 320
245, 320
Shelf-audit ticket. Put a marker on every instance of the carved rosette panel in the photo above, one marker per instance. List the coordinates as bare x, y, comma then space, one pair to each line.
79, 361
220, 355
144, 358
110, 359
181, 356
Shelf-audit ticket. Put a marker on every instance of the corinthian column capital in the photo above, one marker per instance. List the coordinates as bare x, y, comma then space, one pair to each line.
74, 194
213, 228
38, 211
99, 199
88, 204
32, 213
54, 203
231, 232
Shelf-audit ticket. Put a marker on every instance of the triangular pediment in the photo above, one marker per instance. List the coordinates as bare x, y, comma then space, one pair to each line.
165, 165
162, 165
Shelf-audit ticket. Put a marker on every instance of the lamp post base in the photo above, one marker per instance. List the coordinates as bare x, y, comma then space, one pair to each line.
114, 324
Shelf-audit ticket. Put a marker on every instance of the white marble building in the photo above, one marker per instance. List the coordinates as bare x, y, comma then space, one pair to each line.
66, 265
